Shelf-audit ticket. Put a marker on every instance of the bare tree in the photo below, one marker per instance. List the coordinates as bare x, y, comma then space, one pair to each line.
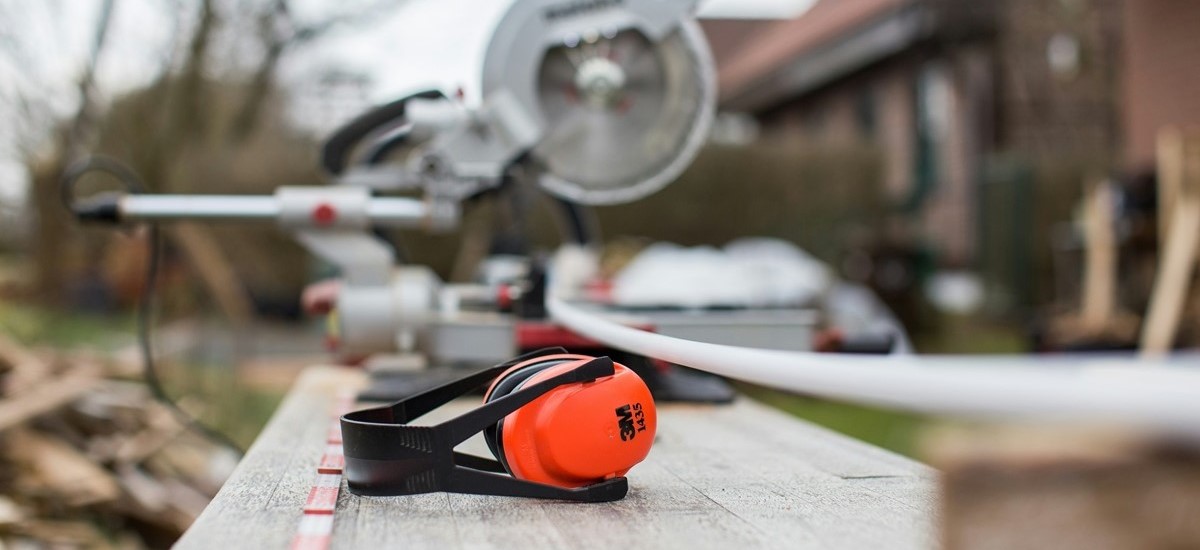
188, 120
280, 33
71, 141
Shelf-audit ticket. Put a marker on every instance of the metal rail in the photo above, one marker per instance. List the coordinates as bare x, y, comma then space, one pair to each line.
385, 212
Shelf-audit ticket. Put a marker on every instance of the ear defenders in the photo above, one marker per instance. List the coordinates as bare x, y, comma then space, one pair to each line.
561, 426
578, 434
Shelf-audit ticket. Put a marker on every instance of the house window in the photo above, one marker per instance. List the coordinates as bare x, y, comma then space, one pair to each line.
866, 112
934, 97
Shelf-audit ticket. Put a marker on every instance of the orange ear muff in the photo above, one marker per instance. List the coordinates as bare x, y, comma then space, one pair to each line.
577, 434
566, 427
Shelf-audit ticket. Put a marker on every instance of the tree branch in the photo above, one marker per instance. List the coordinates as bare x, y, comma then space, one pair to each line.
184, 99
281, 34
84, 121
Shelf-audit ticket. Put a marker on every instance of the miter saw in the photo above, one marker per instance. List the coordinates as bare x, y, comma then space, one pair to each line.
597, 101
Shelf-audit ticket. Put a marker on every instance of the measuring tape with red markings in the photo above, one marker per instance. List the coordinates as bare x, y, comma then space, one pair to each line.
315, 530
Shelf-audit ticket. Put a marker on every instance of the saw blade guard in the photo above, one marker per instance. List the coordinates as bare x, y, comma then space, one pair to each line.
624, 92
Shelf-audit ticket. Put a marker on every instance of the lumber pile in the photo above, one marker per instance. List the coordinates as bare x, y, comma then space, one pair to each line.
88, 459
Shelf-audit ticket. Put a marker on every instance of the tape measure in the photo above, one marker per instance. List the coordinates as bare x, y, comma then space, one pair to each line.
315, 530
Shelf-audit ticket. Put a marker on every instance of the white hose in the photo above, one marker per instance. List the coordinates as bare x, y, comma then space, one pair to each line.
1159, 394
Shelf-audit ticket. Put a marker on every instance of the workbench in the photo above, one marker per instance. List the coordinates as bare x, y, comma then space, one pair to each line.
737, 476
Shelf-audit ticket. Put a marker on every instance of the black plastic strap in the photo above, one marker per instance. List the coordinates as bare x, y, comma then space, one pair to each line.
380, 435
478, 463
482, 483
412, 408
335, 155
383, 147
460, 429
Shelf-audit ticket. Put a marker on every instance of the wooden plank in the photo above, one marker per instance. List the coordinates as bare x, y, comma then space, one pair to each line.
1179, 217
1065, 488
1100, 273
1170, 155
1175, 274
740, 476
260, 505
21, 367
53, 466
1178, 170
48, 396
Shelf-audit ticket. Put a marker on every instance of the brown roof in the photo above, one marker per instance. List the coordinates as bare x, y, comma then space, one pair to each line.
748, 52
728, 36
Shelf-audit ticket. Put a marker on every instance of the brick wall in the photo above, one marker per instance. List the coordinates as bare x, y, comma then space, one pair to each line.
1162, 78
1048, 115
1004, 99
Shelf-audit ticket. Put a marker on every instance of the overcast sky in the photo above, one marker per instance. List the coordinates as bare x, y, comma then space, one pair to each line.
424, 43
441, 42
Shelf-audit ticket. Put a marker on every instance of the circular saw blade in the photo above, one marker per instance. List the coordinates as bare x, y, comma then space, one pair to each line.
624, 115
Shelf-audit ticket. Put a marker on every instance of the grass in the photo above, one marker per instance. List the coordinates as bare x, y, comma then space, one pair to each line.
960, 335
32, 325
226, 405
897, 432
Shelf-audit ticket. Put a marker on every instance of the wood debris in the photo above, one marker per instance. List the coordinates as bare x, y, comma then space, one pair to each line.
91, 461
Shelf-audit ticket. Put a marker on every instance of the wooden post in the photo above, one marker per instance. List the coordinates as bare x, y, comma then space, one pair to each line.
1169, 158
1100, 274
1179, 211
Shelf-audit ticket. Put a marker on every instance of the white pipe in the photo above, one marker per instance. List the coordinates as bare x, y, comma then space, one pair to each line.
1092, 389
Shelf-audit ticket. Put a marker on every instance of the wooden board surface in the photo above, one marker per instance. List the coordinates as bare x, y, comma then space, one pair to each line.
740, 476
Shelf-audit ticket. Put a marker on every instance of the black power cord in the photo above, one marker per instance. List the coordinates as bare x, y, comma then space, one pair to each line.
145, 310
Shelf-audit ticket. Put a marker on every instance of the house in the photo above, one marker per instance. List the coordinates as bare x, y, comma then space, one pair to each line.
1161, 80
948, 90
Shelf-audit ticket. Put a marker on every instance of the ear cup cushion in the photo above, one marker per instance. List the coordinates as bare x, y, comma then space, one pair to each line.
506, 384
499, 427
535, 361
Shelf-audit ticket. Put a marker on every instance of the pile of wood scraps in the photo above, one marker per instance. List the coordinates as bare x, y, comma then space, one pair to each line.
89, 459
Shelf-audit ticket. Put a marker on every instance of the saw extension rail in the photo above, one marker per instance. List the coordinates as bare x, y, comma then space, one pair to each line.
1158, 395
